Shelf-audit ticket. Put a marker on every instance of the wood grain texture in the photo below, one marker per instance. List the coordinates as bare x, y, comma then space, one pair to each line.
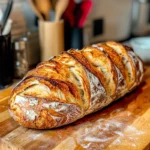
124, 124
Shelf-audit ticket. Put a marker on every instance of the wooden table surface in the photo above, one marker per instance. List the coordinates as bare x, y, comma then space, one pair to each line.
123, 125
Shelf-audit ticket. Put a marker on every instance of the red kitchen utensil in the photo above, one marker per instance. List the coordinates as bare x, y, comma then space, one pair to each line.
85, 8
69, 13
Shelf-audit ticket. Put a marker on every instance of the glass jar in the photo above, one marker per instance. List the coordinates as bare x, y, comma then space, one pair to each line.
20, 58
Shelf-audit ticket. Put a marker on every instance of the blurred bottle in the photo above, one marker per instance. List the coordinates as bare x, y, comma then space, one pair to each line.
141, 18
20, 58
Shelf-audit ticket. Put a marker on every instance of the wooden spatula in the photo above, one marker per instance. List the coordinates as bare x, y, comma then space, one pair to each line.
35, 9
61, 6
44, 6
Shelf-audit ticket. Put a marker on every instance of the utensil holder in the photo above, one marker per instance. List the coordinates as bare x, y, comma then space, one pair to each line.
6, 61
51, 38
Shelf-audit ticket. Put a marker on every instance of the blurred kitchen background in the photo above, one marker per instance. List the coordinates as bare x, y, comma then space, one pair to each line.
42, 28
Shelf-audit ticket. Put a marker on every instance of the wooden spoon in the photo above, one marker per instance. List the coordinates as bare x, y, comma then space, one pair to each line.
53, 2
61, 6
44, 7
35, 9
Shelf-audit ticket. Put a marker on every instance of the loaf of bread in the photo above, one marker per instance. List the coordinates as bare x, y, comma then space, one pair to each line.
76, 83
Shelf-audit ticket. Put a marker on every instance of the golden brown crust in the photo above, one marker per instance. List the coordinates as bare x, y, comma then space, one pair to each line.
103, 66
77, 72
119, 67
54, 70
114, 57
137, 64
78, 55
74, 84
130, 69
25, 111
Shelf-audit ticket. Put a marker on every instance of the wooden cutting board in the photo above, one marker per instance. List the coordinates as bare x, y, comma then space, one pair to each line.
123, 125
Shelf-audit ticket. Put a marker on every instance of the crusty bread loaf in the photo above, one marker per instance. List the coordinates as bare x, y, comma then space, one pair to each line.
76, 83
